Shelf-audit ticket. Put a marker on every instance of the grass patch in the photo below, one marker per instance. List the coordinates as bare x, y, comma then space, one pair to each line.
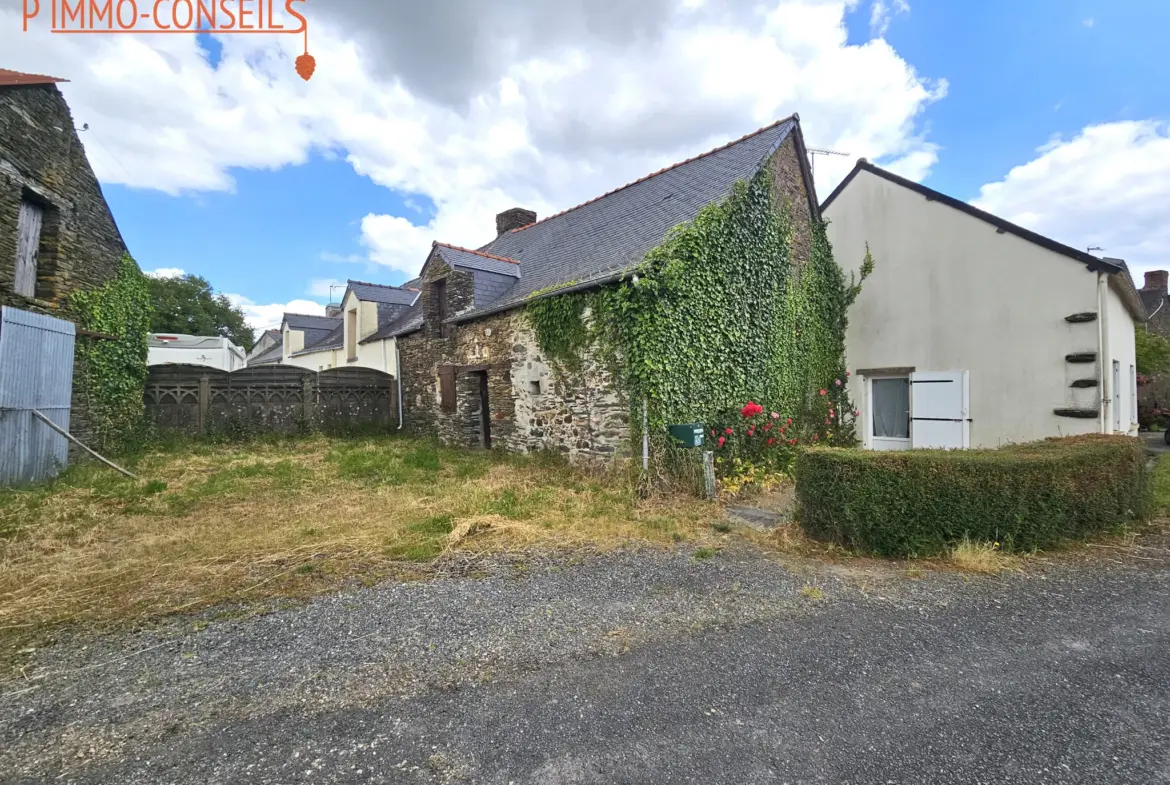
705, 553
814, 593
980, 557
1161, 483
216, 523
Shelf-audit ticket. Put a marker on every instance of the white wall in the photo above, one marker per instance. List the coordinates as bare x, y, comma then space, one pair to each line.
1120, 346
950, 292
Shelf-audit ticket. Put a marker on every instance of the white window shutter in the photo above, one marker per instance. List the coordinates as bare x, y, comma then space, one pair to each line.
940, 410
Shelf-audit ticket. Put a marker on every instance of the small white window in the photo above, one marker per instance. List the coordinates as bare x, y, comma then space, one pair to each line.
889, 409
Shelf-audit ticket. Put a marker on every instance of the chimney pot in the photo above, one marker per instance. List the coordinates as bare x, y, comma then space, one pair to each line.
1156, 280
514, 219
333, 309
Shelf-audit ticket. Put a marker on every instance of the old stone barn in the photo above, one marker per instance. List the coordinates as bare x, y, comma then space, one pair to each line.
475, 370
57, 235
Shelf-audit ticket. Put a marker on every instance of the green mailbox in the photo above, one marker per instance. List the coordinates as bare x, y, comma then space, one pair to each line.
689, 435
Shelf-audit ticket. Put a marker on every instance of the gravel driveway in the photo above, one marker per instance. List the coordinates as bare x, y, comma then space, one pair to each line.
634, 667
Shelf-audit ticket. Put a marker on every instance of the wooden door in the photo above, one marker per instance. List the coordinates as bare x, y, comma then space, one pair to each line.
485, 413
28, 243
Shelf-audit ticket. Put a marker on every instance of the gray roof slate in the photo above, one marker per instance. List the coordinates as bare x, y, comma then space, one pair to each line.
301, 321
477, 260
380, 293
332, 339
613, 232
408, 322
273, 354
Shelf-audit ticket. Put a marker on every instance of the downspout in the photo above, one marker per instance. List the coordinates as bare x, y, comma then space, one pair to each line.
398, 378
1104, 377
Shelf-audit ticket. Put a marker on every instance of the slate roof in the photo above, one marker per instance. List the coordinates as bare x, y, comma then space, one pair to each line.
408, 322
300, 321
478, 260
592, 242
379, 293
334, 339
272, 355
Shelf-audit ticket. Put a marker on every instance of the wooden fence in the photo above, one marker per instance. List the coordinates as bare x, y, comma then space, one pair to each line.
198, 400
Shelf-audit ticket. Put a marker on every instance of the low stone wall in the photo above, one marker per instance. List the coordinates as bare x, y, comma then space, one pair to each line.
198, 400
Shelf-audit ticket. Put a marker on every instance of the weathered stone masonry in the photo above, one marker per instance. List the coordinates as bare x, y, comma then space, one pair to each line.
42, 159
530, 407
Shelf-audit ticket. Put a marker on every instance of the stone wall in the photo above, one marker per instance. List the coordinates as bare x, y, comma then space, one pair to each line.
530, 407
42, 159
788, 187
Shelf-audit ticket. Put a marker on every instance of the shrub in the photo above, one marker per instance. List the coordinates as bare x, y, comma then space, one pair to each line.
924, 502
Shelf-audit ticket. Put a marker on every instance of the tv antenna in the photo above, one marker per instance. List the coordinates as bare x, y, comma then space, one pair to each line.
813, 152
333, 286
1092, 248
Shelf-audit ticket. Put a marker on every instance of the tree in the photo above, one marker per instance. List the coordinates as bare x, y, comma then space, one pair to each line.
188, 305
1153, 352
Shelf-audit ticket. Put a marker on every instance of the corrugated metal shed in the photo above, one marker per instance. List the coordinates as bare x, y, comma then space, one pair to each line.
36, 372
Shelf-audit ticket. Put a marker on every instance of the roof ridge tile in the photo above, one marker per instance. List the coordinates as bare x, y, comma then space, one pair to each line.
484, 254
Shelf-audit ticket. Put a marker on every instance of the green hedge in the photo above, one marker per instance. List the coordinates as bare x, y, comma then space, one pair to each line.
923, 502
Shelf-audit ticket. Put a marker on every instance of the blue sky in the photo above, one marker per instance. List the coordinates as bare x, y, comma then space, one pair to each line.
217, 160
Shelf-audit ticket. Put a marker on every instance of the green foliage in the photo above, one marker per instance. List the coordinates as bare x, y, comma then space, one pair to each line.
1161, 483
718, 315
560, 326
188, 306
924, 502
112, 374
1153, 352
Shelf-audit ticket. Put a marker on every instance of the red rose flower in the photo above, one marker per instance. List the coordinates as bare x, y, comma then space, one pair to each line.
767, 426
857, 412
790, 421
771, 441
722, 439
751, 409
824, 392
728, 431
751, 431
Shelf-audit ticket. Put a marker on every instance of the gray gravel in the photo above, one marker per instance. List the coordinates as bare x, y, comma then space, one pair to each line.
634, 667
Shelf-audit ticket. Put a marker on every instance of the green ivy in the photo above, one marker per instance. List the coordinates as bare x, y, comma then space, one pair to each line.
717, 315
112, 373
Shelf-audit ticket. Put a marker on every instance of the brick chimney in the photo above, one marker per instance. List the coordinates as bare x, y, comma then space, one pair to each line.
1156, 281
514, 219
333, 309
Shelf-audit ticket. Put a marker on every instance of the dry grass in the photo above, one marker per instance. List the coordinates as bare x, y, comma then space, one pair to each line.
209, 524
981, 557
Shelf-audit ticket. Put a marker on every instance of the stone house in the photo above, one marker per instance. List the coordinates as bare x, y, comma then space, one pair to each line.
57, 234
471, 367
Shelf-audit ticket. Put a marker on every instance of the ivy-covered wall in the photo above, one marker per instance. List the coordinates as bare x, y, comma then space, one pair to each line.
744, 303
109, 375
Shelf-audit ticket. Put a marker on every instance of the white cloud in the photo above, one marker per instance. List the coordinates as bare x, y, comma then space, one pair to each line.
1109, 186
329, 288
564, 105
166, 272
262, 317
1089, 22
880, 14
336, 258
